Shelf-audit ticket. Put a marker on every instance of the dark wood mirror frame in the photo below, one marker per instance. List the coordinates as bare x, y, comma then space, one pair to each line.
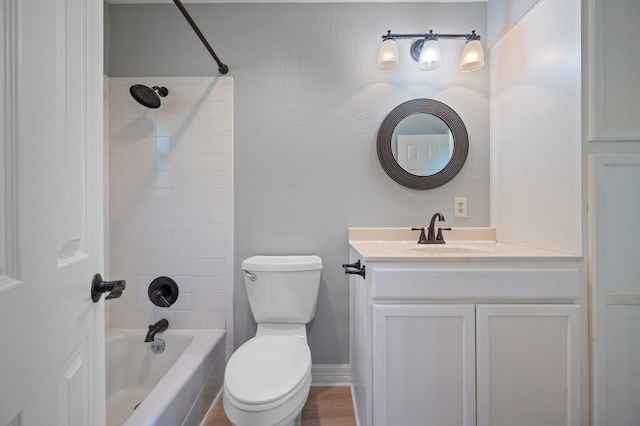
423, 106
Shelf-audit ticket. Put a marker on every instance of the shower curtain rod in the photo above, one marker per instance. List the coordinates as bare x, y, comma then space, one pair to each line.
222, 68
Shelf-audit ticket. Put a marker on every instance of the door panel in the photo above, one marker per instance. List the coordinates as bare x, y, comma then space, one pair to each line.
528, 365
52, 352
424, 365
614, 270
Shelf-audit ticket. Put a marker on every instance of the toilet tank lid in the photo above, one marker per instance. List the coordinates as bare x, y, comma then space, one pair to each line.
282, 263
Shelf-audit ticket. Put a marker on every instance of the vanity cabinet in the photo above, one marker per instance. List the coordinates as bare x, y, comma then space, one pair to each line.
450, 364
455, 342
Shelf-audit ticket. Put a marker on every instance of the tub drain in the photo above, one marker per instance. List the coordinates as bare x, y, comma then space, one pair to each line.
137, 405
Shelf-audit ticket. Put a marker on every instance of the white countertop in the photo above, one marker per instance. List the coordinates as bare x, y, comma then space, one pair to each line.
462, 244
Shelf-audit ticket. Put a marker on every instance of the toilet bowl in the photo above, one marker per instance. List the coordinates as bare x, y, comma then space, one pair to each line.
267, 380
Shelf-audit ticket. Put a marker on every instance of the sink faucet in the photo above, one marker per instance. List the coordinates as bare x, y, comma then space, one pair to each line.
158, 327
432, 238
432, 231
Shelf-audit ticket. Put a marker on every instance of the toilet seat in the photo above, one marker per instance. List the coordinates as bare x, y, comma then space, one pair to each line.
266, 371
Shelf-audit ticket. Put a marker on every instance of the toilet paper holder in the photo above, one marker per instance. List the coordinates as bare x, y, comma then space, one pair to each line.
355, 268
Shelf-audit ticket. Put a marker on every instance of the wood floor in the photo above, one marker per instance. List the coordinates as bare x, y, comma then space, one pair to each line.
326, 406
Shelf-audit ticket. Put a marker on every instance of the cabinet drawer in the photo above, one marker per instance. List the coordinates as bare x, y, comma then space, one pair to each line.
470, 283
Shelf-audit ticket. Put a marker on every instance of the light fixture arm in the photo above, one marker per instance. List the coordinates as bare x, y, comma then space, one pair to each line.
431, 35
472, 57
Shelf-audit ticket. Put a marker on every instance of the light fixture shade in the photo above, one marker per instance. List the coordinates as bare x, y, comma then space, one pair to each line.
472, 57
388, 55
429, 56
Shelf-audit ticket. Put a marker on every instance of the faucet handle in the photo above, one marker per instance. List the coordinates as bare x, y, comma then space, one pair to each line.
423, 237
439, 237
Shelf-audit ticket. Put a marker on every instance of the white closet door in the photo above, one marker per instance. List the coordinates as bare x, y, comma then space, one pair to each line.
614, 206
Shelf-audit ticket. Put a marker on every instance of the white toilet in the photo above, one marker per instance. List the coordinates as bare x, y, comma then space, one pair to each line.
267, 380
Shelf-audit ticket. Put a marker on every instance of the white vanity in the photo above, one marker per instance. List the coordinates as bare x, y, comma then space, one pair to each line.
472, 332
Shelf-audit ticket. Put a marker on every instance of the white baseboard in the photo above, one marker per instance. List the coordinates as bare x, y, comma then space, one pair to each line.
330, 375
355, 406
216, 401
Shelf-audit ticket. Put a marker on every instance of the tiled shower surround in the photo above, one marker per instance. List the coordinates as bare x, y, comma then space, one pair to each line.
171, 201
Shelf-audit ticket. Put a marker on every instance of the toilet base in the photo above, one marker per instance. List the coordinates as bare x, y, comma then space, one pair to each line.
297, 421
294, 419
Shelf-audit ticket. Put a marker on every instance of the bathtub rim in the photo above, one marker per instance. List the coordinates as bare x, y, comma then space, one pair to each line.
203, 343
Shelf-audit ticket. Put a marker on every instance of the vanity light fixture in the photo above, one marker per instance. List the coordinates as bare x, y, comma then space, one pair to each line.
426, 51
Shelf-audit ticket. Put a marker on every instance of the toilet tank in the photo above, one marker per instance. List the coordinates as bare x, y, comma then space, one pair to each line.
282, 289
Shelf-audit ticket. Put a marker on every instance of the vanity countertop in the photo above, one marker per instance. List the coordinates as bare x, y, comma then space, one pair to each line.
462, 244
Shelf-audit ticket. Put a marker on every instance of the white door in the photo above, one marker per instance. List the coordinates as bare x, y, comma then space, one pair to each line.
424, 365
51, 200
424, 155
528, 365
614, 202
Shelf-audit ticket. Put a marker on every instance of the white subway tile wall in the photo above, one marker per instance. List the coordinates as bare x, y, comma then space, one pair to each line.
171, 201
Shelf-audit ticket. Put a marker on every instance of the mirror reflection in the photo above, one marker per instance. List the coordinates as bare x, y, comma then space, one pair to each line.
422, 144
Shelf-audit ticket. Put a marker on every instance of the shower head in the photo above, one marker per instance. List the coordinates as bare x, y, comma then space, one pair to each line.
147, 96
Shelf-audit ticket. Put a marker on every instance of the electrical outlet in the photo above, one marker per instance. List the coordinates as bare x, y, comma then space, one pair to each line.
460, 207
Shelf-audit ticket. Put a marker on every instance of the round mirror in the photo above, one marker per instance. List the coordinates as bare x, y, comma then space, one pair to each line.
422, 144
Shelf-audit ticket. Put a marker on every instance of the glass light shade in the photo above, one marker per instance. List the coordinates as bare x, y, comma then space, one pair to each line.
429, 56
388, 55
472, 57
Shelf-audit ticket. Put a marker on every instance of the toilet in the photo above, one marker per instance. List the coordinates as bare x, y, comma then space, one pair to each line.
267, 380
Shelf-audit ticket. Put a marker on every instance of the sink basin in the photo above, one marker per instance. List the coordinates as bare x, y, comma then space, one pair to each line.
462, 244
434, 249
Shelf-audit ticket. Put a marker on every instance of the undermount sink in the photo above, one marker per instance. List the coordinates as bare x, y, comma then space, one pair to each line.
462, 244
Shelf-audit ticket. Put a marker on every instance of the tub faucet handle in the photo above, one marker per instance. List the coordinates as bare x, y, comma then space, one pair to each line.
163, 291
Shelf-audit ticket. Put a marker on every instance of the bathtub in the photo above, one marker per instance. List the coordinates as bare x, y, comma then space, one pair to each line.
176, 387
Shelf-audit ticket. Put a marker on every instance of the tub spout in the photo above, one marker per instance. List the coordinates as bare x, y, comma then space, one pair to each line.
158, 327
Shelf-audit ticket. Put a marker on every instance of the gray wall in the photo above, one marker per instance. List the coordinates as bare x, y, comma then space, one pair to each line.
308, 103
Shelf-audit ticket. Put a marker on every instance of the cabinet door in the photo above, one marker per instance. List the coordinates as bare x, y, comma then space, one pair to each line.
528, 365
614, 267
423, 365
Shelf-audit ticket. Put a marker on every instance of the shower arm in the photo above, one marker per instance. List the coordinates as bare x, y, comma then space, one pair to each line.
222, 68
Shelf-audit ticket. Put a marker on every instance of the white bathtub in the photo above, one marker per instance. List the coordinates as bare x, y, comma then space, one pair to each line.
176, 387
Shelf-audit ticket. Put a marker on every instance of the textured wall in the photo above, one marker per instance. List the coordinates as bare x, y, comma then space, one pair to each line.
503, 14
308, 103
